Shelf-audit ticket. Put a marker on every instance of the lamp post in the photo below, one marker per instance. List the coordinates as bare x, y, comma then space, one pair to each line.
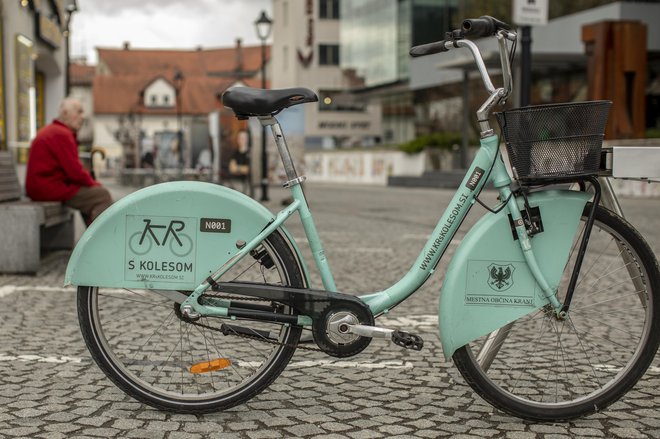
263, 26
71, 8
178, 82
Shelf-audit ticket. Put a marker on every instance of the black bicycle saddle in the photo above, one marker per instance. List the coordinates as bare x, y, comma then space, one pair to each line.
247, 102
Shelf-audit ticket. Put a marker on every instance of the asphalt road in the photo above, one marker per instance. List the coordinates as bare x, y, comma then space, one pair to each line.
50, 387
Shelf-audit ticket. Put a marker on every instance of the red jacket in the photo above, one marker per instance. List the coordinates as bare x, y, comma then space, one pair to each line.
54, 171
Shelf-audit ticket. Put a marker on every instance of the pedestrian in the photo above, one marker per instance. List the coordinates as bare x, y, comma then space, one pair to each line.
54, 170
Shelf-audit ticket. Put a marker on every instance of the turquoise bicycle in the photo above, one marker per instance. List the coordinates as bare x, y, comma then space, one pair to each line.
193, 297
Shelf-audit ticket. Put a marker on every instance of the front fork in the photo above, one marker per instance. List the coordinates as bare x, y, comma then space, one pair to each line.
561, 309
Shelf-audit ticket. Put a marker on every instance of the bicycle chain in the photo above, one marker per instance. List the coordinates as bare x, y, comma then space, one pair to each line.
253, 337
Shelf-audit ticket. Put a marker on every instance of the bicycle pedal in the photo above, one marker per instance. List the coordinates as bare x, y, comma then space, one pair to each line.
407, 340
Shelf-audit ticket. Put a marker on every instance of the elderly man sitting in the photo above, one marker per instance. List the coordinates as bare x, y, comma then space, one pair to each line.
54, 171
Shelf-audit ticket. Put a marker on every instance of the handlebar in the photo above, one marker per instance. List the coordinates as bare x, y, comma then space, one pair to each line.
429, 49
484, 26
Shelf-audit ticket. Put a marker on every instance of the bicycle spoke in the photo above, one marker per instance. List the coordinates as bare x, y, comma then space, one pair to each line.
595, 348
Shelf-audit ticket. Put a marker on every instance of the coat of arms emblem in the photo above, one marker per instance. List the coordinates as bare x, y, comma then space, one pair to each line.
500, 277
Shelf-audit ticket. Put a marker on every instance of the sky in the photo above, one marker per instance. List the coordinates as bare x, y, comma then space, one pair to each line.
164, 24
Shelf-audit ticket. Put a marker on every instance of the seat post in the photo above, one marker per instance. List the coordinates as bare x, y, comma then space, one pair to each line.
283, 149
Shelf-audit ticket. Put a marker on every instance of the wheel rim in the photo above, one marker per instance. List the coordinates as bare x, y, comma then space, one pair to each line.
553, 364
151, 349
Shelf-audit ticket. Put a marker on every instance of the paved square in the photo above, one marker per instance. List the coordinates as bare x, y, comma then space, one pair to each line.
50, 387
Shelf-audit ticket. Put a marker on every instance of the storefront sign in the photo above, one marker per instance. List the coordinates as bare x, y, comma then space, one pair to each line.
530, 12
48, 30
306, 55
24, 89
3, 128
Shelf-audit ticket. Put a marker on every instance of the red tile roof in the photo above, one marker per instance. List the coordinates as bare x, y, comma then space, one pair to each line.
190, 62
123, 74
81, 74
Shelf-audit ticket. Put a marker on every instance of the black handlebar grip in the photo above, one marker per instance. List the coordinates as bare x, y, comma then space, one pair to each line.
483, 26
428, 49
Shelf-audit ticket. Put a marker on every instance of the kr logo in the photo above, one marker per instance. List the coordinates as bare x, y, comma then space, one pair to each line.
180, 244
500, 277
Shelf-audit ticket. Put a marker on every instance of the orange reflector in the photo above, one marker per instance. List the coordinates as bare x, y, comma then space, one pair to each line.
210, 366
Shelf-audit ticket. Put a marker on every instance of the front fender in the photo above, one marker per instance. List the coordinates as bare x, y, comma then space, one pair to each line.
169, 236
488, 283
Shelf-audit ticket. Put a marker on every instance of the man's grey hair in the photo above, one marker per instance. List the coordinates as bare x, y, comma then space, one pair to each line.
67, 105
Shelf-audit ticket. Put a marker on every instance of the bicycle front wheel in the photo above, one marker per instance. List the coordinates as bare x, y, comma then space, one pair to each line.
149, 350
544, 369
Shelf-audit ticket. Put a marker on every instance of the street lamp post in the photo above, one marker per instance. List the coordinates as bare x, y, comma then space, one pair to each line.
178, 82
263, 26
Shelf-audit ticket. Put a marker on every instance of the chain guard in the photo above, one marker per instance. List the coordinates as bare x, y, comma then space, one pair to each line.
322, 306
340, 345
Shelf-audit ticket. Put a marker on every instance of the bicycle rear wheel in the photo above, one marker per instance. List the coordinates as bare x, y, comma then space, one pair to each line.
149, 350
544, 369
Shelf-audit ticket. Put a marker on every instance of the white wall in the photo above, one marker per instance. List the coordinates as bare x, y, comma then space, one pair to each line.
162, 91
361, 166
290, 34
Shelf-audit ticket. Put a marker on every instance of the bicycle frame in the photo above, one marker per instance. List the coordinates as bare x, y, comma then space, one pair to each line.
486, 166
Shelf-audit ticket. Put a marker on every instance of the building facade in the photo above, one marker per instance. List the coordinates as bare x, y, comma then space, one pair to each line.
152, 107
33, 68
376, 36
306, 53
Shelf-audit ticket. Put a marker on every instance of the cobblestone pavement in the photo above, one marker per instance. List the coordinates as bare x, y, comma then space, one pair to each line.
50, 388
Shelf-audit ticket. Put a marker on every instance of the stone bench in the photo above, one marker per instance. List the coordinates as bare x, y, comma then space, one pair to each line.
28, 227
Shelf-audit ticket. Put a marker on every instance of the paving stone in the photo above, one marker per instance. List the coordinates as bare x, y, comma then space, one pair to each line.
428, 400
581, 432
628, 433
63, 427
264, 434
21, 431
61, 417
394, 429
162, 426
520, 435
94, 421
304, 430
102, 432
127, 424
365, 434
145, 434
184, 435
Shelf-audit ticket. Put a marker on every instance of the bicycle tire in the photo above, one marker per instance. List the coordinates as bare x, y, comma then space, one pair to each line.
608, 349
126, 332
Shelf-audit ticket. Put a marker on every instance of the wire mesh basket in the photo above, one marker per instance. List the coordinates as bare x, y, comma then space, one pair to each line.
554, 141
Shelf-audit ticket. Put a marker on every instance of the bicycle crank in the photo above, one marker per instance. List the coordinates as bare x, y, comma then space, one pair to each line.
399, 338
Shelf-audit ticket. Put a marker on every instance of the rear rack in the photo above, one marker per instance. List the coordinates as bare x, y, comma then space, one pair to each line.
631, 162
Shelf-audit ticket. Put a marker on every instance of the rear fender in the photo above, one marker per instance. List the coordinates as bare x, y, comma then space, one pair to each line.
169, 236
488, 283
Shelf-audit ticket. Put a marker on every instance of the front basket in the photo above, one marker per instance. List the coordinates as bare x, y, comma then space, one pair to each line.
554, 141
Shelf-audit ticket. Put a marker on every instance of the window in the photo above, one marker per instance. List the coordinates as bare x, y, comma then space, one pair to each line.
285, 14
329, 9
152, 98
166, 100
285, 57
329, 54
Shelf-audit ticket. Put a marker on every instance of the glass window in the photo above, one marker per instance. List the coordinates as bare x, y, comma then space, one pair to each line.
329, 54
152, 98
166, 100
329, 9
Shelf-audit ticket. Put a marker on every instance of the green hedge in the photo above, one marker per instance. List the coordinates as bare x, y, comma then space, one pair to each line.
443, 140
652, 133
